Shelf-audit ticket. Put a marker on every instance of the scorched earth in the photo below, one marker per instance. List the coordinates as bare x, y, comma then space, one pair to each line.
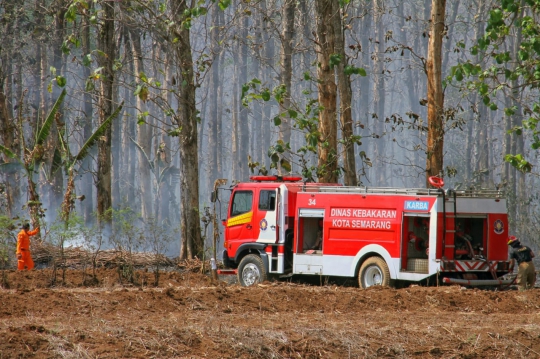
189, 316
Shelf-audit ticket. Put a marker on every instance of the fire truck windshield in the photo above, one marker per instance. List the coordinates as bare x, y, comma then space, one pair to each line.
242, 202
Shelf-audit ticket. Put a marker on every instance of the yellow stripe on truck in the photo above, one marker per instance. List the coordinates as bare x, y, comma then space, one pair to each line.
241, 219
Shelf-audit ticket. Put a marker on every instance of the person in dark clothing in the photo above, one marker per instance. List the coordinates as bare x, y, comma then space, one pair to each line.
523, 255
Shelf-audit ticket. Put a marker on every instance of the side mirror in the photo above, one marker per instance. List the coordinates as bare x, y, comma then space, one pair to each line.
213, 196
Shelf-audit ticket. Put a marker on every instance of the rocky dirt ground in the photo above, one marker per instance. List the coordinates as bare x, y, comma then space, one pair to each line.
189, 316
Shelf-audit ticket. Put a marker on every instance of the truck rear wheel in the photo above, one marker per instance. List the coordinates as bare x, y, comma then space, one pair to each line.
374, 271
251, 270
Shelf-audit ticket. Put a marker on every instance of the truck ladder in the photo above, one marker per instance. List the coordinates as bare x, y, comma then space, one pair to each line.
481, 193
372, 190
449, 221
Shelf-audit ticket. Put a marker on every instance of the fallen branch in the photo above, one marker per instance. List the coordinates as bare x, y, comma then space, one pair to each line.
77, 257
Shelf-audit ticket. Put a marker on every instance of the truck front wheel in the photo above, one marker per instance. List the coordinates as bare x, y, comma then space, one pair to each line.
373, 271
251, 270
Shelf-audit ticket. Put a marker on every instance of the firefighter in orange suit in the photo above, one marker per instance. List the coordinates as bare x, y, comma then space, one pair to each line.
24, 258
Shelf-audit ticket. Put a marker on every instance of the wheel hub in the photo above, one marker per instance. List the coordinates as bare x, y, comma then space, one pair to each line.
251, 274
373, 276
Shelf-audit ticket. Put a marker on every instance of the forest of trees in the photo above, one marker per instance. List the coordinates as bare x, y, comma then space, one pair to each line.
116, 106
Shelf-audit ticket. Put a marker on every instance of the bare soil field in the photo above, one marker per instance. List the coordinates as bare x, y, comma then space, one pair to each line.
189, 316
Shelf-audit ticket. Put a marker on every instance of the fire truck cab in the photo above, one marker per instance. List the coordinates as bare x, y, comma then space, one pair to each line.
280, 226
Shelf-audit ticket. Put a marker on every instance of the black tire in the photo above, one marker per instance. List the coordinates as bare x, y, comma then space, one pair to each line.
374, 271
251, 271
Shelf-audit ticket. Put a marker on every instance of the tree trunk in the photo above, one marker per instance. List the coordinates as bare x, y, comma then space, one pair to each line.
40, 72
415, 91
87, 183
105, 60
286, 74
518, 146
57, 190
345, 98
186, 119
235, 117
165, 188
8, 131
243, 112
479, 112
214, 115
453, 12
363, 94
143, 132
435, 95
257, 70
379, 96
116, 145
327, 161
267, 124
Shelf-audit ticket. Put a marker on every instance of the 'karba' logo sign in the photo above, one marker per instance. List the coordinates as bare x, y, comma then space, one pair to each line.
416, 205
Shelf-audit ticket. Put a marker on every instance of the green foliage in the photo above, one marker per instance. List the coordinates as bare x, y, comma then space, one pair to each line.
35, 155
89, 85
61, 81
127, 237
352, 70
224, 4
6, 151
256, 165
46, 127
174, 132
335, 60
87, 60
61, 232
8, 241
306, 120
517, 72
519, 162
142, 92
276, 152
248, 96
92, 140
64, 232
158, 236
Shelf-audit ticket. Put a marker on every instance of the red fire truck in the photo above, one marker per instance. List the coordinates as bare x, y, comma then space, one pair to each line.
280, 226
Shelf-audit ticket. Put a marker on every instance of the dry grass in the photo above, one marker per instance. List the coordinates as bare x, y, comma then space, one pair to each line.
188, 316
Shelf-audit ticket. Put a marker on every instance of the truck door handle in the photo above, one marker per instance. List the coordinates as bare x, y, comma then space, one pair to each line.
248, 226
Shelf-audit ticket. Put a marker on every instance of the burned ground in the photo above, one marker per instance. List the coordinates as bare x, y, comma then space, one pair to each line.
189, 316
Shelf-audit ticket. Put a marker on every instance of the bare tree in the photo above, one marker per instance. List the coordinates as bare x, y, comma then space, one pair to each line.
88, 112
327, 154
185, 118
7, 125
106, 56
286, 77
435, 94
144, 132
379, 97
345, 101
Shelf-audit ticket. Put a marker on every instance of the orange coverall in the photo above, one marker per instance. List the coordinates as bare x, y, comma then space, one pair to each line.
24, 259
